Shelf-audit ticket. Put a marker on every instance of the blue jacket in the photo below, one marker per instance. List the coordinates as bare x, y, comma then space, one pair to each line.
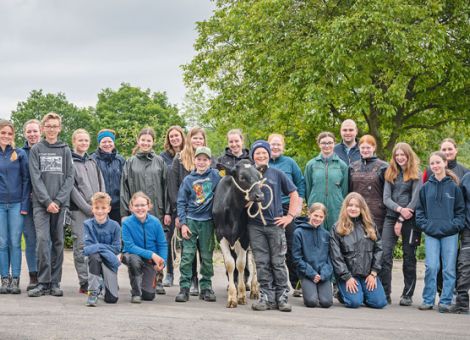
196, 195
310, 251
465, 187
440, 211
353, 155
104, 239
111, 165
15, 184
289, 167
144, 239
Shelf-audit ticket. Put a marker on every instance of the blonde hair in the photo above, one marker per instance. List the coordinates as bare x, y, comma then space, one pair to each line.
101, 197
145, 131
345, 225
31, 121
141, 194
7, 123
167, 145
278, 135
317, 206
448, 172
187, 154
79, 131
49, 116
411, 172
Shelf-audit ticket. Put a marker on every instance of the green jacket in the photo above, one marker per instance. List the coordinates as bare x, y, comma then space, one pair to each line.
145, 172
327, 183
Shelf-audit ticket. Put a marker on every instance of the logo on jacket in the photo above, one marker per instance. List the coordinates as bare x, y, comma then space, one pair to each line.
203, 190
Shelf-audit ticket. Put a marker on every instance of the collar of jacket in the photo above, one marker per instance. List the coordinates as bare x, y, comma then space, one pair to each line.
146, 155
105, 155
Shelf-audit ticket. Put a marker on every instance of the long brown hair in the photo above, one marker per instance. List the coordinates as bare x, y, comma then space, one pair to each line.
7, 123
167, 145
449, 173
410, 172
345, 225
144, 131
187, 154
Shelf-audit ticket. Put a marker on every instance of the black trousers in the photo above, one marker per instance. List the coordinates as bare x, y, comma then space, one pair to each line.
293, 278
463, 270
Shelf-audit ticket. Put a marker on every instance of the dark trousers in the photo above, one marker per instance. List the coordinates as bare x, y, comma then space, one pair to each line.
389, 240
142, 276
97, 269
317, 294
463, 270
115, 215
293, 278
169, 232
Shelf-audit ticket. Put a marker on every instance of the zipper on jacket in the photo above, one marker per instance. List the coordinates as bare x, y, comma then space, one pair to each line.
326, 178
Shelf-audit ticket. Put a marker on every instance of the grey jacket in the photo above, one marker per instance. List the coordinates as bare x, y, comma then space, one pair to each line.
51, 171
87, 181
401, 193
146, 172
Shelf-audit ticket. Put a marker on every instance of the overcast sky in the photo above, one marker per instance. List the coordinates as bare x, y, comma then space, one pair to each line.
81, 47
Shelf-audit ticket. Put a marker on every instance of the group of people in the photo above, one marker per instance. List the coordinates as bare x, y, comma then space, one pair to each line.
127, 211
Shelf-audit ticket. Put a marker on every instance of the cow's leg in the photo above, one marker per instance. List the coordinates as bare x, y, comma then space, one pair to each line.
230, 267
253, 278
241, 263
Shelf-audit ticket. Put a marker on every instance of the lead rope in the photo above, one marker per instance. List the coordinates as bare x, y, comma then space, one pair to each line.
249, 205
175, 253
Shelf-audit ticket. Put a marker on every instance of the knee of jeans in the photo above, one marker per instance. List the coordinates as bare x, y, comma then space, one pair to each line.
311, 303
352, 303
377, 303
326, 303
148, 296
432, 268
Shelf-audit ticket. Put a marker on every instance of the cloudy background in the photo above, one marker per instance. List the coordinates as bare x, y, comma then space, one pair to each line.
81, 47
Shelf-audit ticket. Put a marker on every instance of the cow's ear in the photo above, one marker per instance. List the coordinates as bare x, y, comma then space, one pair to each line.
226, 170
262, 168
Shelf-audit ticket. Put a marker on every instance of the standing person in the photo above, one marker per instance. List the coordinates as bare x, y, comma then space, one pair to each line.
110, 163
401, 193
356, 253
326, 178
440, 213
449, 148
290, 168
174, 143
102, 239
15, 189
195, 200
463, 266
51, 171
312, 259
145, 247
32, 133
266, 232
147, 172
182, 166
235, 151
348, 150
367, 177
87, 181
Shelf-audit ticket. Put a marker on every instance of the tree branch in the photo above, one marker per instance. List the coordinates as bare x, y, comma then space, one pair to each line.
432, 126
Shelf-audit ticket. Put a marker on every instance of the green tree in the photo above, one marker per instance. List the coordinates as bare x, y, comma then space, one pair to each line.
398, 67
38, 104
129, 109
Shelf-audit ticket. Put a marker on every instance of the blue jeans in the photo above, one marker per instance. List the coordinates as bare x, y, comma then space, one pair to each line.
436, 249
371, 298
11, 228
29, 233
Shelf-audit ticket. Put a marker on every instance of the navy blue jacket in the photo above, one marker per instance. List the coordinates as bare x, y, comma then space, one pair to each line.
310, 251
465, 187
15, 185
440, 211
110, 165
348, 158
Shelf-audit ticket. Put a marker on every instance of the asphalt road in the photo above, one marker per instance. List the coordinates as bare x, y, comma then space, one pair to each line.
50, 317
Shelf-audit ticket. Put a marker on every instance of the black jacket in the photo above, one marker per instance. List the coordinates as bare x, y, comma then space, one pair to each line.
355, 254
230, 160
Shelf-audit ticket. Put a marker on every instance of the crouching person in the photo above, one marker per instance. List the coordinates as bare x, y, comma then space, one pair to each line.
145, 248
356, 253
310, 251
102, 244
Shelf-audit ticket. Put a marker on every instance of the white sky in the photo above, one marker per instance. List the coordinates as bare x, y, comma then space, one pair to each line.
81, 47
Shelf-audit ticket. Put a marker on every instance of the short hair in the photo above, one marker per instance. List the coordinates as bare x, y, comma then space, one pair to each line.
325, 134
49, 116
101, 197
317, 206
31, 121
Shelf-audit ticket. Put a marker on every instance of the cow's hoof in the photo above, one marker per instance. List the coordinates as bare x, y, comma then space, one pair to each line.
242, 300
232, 304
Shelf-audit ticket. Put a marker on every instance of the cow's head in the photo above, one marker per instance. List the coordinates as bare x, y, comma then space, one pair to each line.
247, 177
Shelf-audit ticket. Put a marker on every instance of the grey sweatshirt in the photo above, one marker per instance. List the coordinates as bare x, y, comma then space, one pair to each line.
51, 171
401, 193
87, 181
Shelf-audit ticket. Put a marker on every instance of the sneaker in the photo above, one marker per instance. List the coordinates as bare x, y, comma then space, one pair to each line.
92, 299
15, 285
282, 303
83, 288
136, 299
5, 287
406, 301
263, 304
443, 308
194, 290
207, 295
183, 295
39, 290
159, 289
56, 291
297, 293
168, 281
455, 309
425, 306
33, 280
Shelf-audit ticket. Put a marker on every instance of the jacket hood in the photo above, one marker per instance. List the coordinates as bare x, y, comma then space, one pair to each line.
105, 155
145, 155
195, 173
78, 158
58, 144
245, 153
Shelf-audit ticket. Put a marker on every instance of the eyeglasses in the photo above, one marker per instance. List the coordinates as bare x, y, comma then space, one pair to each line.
326, 143
52, 127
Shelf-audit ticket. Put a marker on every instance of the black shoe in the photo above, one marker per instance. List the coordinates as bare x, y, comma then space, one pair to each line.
39, 290
389, 300
183, 295
455, 309
207, 295
83, 288
406, 301
443, 308
33, 280
55, 290
194, 290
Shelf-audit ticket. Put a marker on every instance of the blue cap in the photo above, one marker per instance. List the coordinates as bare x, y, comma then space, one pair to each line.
260, 144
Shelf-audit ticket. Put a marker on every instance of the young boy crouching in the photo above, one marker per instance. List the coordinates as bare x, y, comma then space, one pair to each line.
102, 244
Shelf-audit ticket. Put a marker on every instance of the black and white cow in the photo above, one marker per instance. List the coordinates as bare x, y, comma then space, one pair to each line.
235, 190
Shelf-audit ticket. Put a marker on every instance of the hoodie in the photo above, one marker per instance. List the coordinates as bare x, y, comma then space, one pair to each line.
310, 251
51, 171
440, 211
230, 160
